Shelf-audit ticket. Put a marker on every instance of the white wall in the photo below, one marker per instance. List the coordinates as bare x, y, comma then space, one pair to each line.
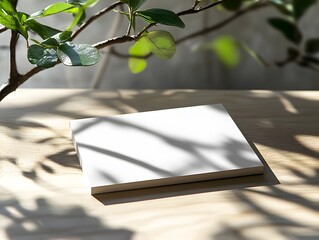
188, 69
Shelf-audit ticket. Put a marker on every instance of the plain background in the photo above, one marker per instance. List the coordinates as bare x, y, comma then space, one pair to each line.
189, 68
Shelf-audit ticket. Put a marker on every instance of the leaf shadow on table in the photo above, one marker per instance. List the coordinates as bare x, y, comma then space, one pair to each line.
288, 225
49, 221
266, 127
194, 159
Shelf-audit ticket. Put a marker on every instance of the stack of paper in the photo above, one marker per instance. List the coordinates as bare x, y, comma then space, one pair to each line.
162, 147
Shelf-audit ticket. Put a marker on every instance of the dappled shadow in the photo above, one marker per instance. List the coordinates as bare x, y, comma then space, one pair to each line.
155, 100
50, 221
66, 157
286, 224
268, 128
136, 149
278, 123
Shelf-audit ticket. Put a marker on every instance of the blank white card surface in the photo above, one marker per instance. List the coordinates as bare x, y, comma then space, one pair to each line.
162, 147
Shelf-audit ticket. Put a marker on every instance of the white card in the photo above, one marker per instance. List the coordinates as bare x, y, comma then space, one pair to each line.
162, 147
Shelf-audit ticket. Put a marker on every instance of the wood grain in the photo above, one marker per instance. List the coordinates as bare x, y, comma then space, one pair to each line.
42, 194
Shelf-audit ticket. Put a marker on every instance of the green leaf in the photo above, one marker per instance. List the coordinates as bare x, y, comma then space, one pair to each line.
141, 49
232, 5
227, 50
161, 44
162, 16
283, 7
82, 2
53, 9
82, 18
8, 21
72, 54
64, 36
7, 7
79, 15
312, 46
77, 18
134, 4
137, 65
301, 6
41, 56
15, 22
57, 39
21, 26
50, 42
42, 30
288, 29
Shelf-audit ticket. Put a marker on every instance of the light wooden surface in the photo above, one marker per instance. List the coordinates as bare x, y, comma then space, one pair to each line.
42, 194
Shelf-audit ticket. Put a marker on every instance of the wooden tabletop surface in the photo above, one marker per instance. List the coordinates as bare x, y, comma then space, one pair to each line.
43, 194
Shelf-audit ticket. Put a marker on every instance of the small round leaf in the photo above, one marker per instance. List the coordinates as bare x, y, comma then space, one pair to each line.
140, 49
137, 65
161, 44
287, 28
72, 54
42, 57
162, 16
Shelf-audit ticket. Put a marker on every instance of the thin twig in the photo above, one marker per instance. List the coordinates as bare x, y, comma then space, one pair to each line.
198, 33
223, 23
17, 79
94, 17
192, 10
196, 2
145, 29
10, 87
131, 19
115, 40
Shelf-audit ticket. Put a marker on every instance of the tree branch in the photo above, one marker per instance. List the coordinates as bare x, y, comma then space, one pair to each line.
3, 29
94, 17
115, 40
192, 10
204, 31
13, 63
16, 79
10, 87
223, 23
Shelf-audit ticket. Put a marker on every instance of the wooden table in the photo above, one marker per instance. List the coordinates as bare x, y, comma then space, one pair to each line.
43, 196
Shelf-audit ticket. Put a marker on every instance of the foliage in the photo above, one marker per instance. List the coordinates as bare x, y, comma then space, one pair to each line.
52, 46
301, 51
